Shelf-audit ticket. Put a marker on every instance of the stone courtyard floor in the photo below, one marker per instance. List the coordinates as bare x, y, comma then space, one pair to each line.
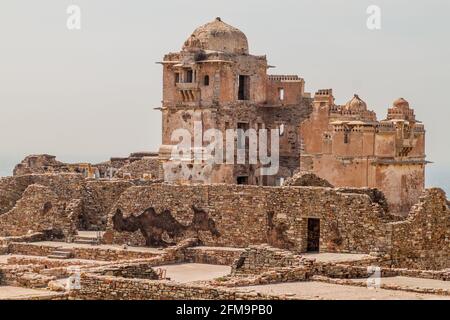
409, 282
191, 272
326, 291
66, 245
19, 293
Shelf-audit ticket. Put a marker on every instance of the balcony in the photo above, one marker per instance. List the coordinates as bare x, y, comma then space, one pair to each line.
187, 86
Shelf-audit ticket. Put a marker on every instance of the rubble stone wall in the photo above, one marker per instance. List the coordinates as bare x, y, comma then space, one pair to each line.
422, 241
349, 222
212, 255
93, 253
94, 287
39, 209
100, 197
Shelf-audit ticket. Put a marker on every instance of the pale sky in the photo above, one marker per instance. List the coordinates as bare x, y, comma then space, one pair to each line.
87, 95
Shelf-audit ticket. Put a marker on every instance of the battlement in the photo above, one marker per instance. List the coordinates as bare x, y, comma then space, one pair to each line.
284, 78
324, 92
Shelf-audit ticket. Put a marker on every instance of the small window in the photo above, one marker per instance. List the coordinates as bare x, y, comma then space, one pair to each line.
177, 77
244, 88
281, 93
206, 81
189, 76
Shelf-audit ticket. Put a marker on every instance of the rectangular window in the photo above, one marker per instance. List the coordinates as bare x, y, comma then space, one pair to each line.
177, 77
189, 76
281, 93
244, 88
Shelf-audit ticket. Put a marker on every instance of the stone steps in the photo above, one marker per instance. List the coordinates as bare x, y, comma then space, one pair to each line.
86, 240
61, 253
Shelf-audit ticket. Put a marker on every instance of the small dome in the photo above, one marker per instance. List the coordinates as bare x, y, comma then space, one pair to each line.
356, 104
218, 36
401, 103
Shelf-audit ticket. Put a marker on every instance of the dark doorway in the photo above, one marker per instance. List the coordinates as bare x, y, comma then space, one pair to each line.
244, 88
313, 235
242, 180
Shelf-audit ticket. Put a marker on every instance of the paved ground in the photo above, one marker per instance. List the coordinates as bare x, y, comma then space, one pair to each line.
4, 259
336, 257
320, 290
66, 245
7, 292
190, 272
413, 282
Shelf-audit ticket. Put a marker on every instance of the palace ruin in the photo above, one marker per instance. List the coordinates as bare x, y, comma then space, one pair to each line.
349, 197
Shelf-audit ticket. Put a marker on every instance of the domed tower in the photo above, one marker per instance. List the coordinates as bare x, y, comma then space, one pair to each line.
400, 110
217, 36
214, 82
356, 109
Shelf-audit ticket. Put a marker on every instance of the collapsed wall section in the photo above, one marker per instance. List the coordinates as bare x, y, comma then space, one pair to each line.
422, 241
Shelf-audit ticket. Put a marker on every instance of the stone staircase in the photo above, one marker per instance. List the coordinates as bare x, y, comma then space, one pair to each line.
85, 239
61, 253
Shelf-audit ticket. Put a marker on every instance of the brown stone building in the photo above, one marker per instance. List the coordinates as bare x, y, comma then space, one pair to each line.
348, 146
216, 82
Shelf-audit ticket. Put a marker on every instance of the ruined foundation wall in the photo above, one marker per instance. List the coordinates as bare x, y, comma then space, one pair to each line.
100, 197
246, 215
11, 190
66, 186
148, 167
422, 241
40, 209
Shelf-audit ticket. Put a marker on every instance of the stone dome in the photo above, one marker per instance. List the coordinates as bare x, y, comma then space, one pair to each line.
401, 103
218, 36
355, 104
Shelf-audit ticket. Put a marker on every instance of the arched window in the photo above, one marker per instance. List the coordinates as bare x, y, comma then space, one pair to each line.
206, 81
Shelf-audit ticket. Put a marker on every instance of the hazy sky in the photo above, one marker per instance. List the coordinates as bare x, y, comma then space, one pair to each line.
87, 95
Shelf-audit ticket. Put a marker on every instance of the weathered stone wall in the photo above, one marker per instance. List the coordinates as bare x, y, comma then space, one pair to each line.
100, 197
40, 209
86, 253
212, 255
148, 167
422, 241
307, 179
11, 190
258, 259
96, 197
350, 222
66, 187
97, 287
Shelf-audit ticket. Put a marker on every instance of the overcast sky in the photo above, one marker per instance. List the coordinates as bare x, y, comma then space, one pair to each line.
87, 95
